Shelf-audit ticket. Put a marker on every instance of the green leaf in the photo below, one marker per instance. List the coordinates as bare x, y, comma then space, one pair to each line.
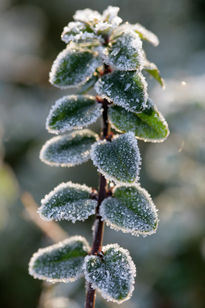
149, 125
131, 211
125, 89
76, 31
71, 112
88, 85
62, 262
124, 51
68, 150
119, 159
74, 66
145, 34
113, 274
152, 69
68, 201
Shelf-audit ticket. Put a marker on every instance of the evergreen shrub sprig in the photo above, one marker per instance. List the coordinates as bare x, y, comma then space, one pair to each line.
104, 53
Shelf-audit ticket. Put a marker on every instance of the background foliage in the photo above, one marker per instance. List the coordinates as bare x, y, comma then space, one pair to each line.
170, 264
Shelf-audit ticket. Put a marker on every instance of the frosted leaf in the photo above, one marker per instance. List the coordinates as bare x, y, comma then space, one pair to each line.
110, 13
71, 112
131, 211
125, 51
68, 201
145, 34
68, 150
113, 274
88, 85
152, 69
149, 125
127, 89
76, 31
87, 16
74, 66
119, 159
62, 262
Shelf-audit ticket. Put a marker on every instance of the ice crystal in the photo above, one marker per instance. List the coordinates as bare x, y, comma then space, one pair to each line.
131, 210
87, 16
113, 274
62, 262
72, 112
152, 69
149, 125
127, 89
68, 150
68, 201
145, 34
74, 66
76, 31
119, 159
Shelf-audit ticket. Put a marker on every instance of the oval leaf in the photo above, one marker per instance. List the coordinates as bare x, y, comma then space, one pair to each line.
125, 89
119, 159
113, 274
71, 112
68, 201
76, 31
152, 69
88, 85
131, 211
62, 262
68, 150
145, 34
73, 66
149, 125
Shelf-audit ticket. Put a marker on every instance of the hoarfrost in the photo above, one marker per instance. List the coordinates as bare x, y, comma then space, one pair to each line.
113, 275
87, 15
146, 34
131, 211
153, 70
76, 31
62, 262
73, 112
68, 201
68, 150
123, 156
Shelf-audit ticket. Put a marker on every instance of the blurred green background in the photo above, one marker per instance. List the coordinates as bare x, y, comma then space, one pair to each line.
171, 263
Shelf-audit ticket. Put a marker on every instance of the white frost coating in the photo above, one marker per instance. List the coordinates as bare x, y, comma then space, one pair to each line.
112, 275
63, 271
53, 152
87, 15
68, 201
85, 115
135, 213
119, 161
76, 31
146, 34
149, 66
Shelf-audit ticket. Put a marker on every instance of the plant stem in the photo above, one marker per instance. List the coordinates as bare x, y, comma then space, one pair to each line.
98, 224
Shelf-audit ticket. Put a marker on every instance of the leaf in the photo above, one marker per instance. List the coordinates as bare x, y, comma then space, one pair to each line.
74, 66
152, 69
149, 125
88, 85
113, 275
76, 31
124, 51
62, 262
68, 201
68, 150
125, 89
119, 159
131, 211
145, 34
71, 112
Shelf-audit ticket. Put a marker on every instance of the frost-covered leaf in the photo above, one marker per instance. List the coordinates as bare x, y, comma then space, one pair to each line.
131, 211
152, 69
68, 150
71, 112
76, 31
68, 201
87, 16
119, 159
60, 262
74, 66
125, 89
149, 125
145, 34
113, 274
124, 51
88, 85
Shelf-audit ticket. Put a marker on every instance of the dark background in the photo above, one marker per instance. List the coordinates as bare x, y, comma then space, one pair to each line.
170, 264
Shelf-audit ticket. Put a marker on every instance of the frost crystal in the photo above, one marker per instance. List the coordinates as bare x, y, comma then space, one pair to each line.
113, 275
68, 201
145, 34
87, 16
68, 150
62, 262
119, 159
76, 31
127, 89
72, 112
131, 210
74, 66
